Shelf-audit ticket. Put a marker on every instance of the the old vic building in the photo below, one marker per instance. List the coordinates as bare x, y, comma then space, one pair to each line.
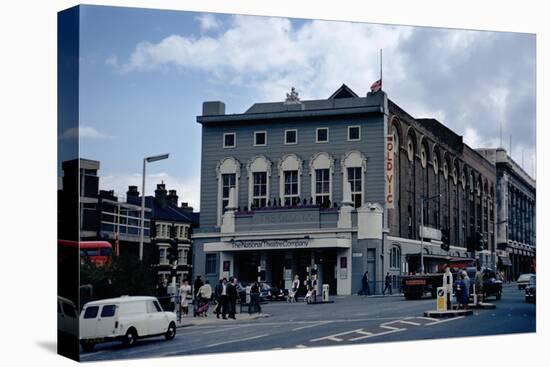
334, 187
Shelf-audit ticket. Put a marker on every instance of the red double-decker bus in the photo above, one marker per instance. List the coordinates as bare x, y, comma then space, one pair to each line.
97, 252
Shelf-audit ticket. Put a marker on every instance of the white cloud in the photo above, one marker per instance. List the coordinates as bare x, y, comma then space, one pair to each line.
83, 132
270, 55
208, 22
188, 189
112, 60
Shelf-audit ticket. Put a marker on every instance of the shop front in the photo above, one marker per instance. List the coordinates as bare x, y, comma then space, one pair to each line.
278, 261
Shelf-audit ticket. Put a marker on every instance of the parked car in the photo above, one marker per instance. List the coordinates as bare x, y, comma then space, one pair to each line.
523, 280
67, 317
531, 290
265, 290
125, 319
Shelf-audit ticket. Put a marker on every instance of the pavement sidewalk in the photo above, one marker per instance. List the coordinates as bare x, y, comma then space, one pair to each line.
211, 319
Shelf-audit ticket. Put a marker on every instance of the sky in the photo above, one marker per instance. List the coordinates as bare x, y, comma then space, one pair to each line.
145, 73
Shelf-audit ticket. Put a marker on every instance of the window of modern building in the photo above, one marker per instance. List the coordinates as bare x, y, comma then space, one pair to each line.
322, 186
354, 133
355, 178
228, 182
229, 140
291, 196
291, 136
395, 258
260, 138
322, 135
210, 264
259, 189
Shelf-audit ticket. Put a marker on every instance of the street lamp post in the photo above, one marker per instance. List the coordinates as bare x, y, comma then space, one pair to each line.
142, 222
423, 199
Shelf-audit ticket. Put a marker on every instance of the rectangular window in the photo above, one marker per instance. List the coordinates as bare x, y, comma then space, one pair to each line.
259, 189
322, 135
229, 140
108, 311
162, 256
260, 138
91, 312
210, 267
355, 179
354, 133
228, 181
291, 136
322, 186
291, 188
187, 232
180, 257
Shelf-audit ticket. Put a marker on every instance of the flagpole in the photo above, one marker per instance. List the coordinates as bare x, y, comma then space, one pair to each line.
380, 66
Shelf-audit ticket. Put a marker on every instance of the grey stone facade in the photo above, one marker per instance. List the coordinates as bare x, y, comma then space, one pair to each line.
516, 214
247, 233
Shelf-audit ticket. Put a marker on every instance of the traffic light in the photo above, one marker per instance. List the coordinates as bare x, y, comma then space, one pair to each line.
445, 239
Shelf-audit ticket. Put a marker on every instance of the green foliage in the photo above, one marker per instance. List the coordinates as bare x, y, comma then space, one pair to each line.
124, 275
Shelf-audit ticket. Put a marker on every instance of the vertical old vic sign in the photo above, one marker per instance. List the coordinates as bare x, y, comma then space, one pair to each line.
389, 171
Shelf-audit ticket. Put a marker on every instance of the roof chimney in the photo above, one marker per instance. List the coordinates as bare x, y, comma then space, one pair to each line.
172, 198
213, 108
160, 195
132, 195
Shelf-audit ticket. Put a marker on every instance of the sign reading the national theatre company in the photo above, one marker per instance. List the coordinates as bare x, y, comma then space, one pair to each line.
389, 145
269, 244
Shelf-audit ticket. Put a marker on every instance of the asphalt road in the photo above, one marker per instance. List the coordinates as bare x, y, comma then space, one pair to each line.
349, 320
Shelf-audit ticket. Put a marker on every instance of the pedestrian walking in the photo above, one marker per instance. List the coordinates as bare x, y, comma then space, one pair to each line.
387, 282
185, 297
365, 291
232, 296
467, 283
221, 299
254, 298
204, 295
478, 284
461, 293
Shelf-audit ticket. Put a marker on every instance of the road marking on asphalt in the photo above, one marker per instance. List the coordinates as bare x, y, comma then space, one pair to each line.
313, 325
445, 320
236, 340
301, 346
393, 330
335, 337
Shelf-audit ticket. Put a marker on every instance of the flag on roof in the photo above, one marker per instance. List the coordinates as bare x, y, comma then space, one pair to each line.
376, 86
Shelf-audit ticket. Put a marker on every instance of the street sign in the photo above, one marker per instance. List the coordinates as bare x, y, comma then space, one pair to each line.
441, 299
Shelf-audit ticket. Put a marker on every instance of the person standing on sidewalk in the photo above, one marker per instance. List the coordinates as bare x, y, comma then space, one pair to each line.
221, 299
478, 283
295, 287
365, 291
197, 285
232, 297
185, 296
387, 284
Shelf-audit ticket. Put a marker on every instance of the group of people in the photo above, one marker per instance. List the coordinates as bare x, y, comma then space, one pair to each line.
365, 287
226, 295
462, 287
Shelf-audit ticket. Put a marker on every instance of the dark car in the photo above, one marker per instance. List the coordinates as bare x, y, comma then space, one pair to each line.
531, 290
492, 284
265, 290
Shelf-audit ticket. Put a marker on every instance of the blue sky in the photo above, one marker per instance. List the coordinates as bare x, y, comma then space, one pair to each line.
145, 74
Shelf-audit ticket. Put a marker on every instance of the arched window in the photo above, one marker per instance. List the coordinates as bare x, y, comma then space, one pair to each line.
435, 160
463, 180
455, 174
396, 162
321, 168
354, 168
259, 172
290, 179
410, 148
423, 155
445, 168
228, 172
395, 258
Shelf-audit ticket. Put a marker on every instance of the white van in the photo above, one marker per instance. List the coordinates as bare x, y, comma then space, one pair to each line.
125, 319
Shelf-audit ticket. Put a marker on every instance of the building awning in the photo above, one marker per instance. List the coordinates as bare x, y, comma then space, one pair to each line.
504, 261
